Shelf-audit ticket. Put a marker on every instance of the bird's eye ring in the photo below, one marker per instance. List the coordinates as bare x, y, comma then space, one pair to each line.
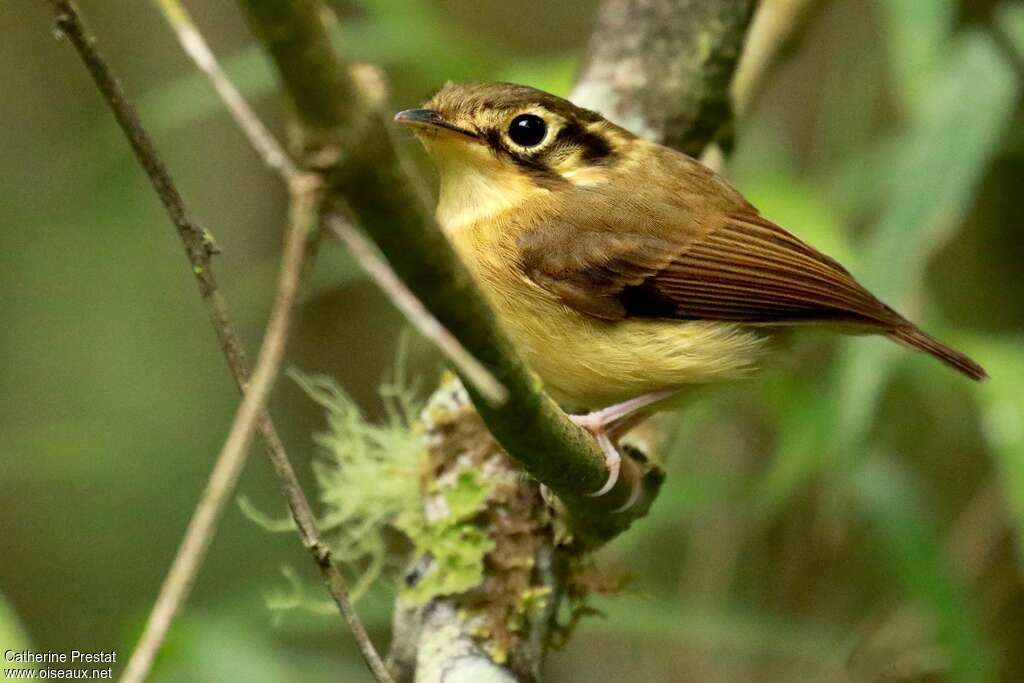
527, 130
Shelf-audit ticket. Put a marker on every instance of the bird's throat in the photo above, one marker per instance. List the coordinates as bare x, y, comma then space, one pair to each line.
473, 190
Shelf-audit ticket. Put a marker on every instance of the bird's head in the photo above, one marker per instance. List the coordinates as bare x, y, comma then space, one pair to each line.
493, 143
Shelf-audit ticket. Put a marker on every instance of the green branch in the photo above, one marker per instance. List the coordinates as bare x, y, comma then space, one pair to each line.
369, 175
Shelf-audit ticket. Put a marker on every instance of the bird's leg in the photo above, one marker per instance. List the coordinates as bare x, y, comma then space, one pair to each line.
606, 419
606, 426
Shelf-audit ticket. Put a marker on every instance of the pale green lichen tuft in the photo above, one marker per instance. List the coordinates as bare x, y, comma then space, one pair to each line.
454, 544
373, 477
369, 475
468, 498
295, 596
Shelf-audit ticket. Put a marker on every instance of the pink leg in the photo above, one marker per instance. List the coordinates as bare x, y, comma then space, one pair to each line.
601, 424
605, 418
612, 460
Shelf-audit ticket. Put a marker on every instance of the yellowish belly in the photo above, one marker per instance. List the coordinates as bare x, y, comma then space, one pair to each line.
588, 363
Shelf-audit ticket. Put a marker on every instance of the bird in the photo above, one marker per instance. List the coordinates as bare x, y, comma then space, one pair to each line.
626, 272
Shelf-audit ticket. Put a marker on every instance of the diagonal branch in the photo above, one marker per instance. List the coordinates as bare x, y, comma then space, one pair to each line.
231, 459
662, 68
363, 250
199, 248
195, 46
274, 156
373, 177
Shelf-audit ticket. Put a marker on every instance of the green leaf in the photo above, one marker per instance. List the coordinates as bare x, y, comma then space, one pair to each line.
1003, 421
917, 36
946, 152
911, 547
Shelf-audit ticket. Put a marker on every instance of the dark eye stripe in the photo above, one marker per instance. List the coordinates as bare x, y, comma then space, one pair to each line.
594, 147
572, 136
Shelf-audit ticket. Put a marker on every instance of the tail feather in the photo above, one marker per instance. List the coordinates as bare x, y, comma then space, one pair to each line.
916, 339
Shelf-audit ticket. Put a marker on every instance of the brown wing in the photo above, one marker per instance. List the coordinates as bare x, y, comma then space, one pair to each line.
743, 268
750, 270
746, 269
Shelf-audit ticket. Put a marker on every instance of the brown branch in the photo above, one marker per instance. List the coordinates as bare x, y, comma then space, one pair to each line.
199, 248
375, 179
228, 465
195, 46
662, 68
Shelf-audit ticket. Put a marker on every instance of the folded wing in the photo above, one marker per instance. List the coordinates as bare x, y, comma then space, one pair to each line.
739, 268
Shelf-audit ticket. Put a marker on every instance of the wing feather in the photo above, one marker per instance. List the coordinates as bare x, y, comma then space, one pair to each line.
640, 258
745, 269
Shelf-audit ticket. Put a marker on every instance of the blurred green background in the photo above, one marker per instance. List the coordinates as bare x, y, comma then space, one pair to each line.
857, 515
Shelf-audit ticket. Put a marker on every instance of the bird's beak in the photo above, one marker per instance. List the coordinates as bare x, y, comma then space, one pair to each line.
428, 119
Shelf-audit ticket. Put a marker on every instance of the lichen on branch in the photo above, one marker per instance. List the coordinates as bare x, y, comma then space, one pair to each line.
369, 176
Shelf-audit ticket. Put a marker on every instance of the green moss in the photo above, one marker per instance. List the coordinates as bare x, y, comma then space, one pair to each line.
452, 541
532, 600
468, 498
369, 476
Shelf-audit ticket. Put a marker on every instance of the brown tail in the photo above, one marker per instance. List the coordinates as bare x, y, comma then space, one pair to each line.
916, 339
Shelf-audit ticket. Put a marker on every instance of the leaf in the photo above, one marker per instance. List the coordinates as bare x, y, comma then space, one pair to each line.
1003, 422
917, 35
911, 547
946, 152
741, 632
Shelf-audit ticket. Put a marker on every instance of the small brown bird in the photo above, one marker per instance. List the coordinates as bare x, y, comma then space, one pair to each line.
626, 271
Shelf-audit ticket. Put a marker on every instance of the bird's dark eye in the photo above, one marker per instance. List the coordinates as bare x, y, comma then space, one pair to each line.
527, 130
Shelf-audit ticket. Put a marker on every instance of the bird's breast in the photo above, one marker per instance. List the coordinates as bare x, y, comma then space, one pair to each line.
585, 362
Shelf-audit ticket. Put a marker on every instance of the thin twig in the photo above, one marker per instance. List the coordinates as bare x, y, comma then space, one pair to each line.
203, 525
777, 26
366, 253
195, 46
339, 123
270, 150
199, 248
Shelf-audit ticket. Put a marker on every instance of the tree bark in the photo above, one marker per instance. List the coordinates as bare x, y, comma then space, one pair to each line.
663, 69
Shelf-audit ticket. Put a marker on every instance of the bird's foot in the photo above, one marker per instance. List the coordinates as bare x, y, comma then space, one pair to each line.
614, 417
612, 460
607, 425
